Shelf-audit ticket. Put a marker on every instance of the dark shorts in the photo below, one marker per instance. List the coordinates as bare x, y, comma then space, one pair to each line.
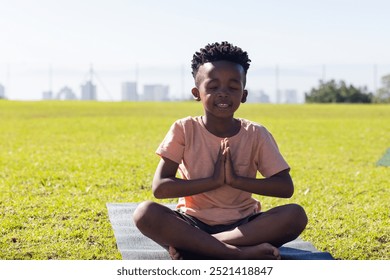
216, 228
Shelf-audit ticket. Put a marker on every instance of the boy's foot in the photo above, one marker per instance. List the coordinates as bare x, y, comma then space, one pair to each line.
263, 251
174, 254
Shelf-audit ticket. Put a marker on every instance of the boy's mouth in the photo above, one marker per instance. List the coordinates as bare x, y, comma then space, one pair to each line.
222, 105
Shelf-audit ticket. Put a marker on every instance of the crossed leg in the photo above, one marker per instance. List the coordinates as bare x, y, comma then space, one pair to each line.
249, 241
276, 226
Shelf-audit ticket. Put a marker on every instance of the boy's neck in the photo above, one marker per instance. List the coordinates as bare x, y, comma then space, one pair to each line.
221, 127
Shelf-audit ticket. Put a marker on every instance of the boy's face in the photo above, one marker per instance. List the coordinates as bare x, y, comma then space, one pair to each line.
220, 86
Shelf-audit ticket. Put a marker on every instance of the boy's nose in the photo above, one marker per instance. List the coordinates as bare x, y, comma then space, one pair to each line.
223, 93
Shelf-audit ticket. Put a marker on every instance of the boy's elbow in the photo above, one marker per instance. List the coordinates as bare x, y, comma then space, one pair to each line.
286, 184
156, 191
158, 194
289, 187
289, 190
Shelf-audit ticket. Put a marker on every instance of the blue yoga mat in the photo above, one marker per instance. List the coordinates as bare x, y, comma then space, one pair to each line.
385, 160
133, 245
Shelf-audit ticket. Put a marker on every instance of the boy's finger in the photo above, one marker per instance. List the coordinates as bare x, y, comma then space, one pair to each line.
228, 156
223, 149
220, 152
226, 141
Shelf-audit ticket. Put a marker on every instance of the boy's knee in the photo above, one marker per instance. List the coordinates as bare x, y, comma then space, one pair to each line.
299, 215
141, 212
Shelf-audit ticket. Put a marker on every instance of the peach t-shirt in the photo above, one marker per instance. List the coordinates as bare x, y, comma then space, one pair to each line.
195, 149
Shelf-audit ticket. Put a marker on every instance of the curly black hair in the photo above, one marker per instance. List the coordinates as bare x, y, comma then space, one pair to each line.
220, 51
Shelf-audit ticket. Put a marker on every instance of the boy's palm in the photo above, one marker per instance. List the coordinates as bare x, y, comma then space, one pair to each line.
219, 168
223, 170
230, 174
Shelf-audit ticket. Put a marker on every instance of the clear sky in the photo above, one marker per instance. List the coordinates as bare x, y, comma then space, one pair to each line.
161, 36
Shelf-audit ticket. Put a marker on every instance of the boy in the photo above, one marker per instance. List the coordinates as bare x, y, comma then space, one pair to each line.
218, 156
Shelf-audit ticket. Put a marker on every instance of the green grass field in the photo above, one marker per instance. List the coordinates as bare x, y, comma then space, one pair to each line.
61, 162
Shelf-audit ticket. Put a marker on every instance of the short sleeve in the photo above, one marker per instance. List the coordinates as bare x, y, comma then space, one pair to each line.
270, 161
172, 147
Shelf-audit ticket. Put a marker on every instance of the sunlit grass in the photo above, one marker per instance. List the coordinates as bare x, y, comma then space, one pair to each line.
61, 162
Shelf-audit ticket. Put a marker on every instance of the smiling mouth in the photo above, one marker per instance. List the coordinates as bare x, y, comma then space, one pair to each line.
222, 105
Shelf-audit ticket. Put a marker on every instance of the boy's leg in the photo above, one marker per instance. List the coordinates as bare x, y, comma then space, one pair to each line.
276, 226
163, 226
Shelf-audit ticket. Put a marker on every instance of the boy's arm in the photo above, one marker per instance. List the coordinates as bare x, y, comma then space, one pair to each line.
166, 185
278, 185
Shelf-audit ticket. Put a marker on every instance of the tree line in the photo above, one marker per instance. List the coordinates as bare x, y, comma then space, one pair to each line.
339, 92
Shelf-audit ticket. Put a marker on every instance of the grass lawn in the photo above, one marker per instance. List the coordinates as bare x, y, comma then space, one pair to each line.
61, 162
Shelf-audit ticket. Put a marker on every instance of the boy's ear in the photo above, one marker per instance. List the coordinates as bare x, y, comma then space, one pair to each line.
195, 93
244, 96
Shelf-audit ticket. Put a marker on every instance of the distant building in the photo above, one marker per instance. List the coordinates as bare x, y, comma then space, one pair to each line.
129, 91
47, 95
156, 93
290, 96
66, 93
278, 96
257, 96
88, 91
2, 91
